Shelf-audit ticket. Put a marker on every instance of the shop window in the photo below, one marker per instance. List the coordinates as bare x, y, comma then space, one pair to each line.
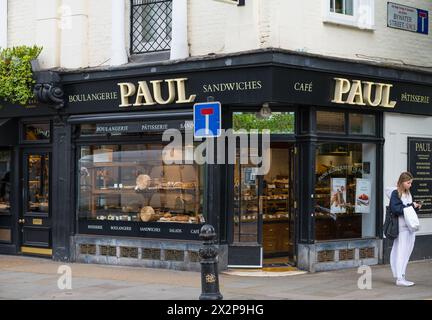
363, 124
354, 13
276, 122
330, 122
345, 192
5, 182
151, 25
132, 183
37, 132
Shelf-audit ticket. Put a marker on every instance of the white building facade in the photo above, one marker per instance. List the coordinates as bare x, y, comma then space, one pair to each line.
350, 78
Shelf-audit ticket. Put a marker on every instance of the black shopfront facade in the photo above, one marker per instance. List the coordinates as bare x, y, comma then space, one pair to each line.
90, 182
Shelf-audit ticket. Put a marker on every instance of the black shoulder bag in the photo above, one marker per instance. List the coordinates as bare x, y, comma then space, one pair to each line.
391, 225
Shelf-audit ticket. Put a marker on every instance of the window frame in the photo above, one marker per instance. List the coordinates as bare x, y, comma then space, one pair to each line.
347, 133
364, 22
122, 140
134, 42
25, 122
377, 190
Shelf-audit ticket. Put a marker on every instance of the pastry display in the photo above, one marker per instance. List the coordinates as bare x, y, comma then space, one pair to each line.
180, 218
188, 185
142, 182
4, 206
141, 189
147, 214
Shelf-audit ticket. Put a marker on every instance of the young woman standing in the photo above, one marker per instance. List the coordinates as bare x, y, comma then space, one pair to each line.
403, 245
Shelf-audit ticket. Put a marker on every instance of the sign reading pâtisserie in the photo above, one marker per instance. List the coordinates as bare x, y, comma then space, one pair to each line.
420, 164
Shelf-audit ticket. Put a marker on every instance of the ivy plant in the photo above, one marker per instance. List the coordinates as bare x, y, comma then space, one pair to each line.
16, 76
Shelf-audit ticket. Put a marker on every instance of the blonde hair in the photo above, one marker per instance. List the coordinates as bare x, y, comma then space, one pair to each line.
404, 177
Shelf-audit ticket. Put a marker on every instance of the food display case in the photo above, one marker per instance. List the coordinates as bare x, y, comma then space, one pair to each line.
136, 185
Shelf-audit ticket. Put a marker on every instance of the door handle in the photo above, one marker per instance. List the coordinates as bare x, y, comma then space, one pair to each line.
21, 221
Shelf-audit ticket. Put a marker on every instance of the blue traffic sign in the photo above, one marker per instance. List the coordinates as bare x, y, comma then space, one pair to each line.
207, 119
423, 21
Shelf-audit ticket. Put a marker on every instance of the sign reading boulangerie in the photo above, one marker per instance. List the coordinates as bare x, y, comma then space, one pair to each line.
420, 164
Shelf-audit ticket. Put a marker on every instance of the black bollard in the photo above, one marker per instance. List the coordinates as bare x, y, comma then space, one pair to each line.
209, 268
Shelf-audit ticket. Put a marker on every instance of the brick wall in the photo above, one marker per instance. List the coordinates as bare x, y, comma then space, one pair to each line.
301, 28
215, 27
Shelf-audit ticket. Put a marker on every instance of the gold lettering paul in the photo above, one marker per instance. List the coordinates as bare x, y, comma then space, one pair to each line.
363, 93
423, 147
176, 88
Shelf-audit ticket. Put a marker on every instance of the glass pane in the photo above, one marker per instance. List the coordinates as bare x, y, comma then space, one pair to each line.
349, 7
276, 122
362, 124
133, 183
246, 202
345, 202
37, 131
342, 6
331, 122
5, 235
5, 182
38, 183
339, 6
277, 218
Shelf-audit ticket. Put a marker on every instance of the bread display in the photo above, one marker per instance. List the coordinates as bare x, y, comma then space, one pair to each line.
142, 182
148, 214
142, 189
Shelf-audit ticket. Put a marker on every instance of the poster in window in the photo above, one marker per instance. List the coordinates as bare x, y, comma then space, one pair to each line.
363, 193
338, 195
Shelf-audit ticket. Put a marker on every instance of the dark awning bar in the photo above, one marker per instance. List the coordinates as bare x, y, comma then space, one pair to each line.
131, 116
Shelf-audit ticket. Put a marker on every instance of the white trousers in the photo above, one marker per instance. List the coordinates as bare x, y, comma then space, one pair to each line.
401, 251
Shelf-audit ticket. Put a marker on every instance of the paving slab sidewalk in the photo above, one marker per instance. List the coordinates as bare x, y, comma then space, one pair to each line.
36, 278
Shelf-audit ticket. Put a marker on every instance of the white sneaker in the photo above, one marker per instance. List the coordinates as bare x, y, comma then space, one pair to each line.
404, 283
410, 282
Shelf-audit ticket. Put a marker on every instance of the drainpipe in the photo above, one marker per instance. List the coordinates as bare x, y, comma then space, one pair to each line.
179, 41
118, 39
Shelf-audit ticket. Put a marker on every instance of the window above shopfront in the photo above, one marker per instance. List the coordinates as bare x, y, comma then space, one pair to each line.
353, 13
150, 25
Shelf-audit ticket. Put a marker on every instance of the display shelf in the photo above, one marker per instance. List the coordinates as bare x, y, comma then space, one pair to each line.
103, 201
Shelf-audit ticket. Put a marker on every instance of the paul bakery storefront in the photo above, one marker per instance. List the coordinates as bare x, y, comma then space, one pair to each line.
318, 206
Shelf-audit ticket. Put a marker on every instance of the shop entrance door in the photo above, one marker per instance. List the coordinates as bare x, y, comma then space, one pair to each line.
35, 213
279, 207
264, 210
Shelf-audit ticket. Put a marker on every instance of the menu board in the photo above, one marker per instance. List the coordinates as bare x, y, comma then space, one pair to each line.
420, 164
